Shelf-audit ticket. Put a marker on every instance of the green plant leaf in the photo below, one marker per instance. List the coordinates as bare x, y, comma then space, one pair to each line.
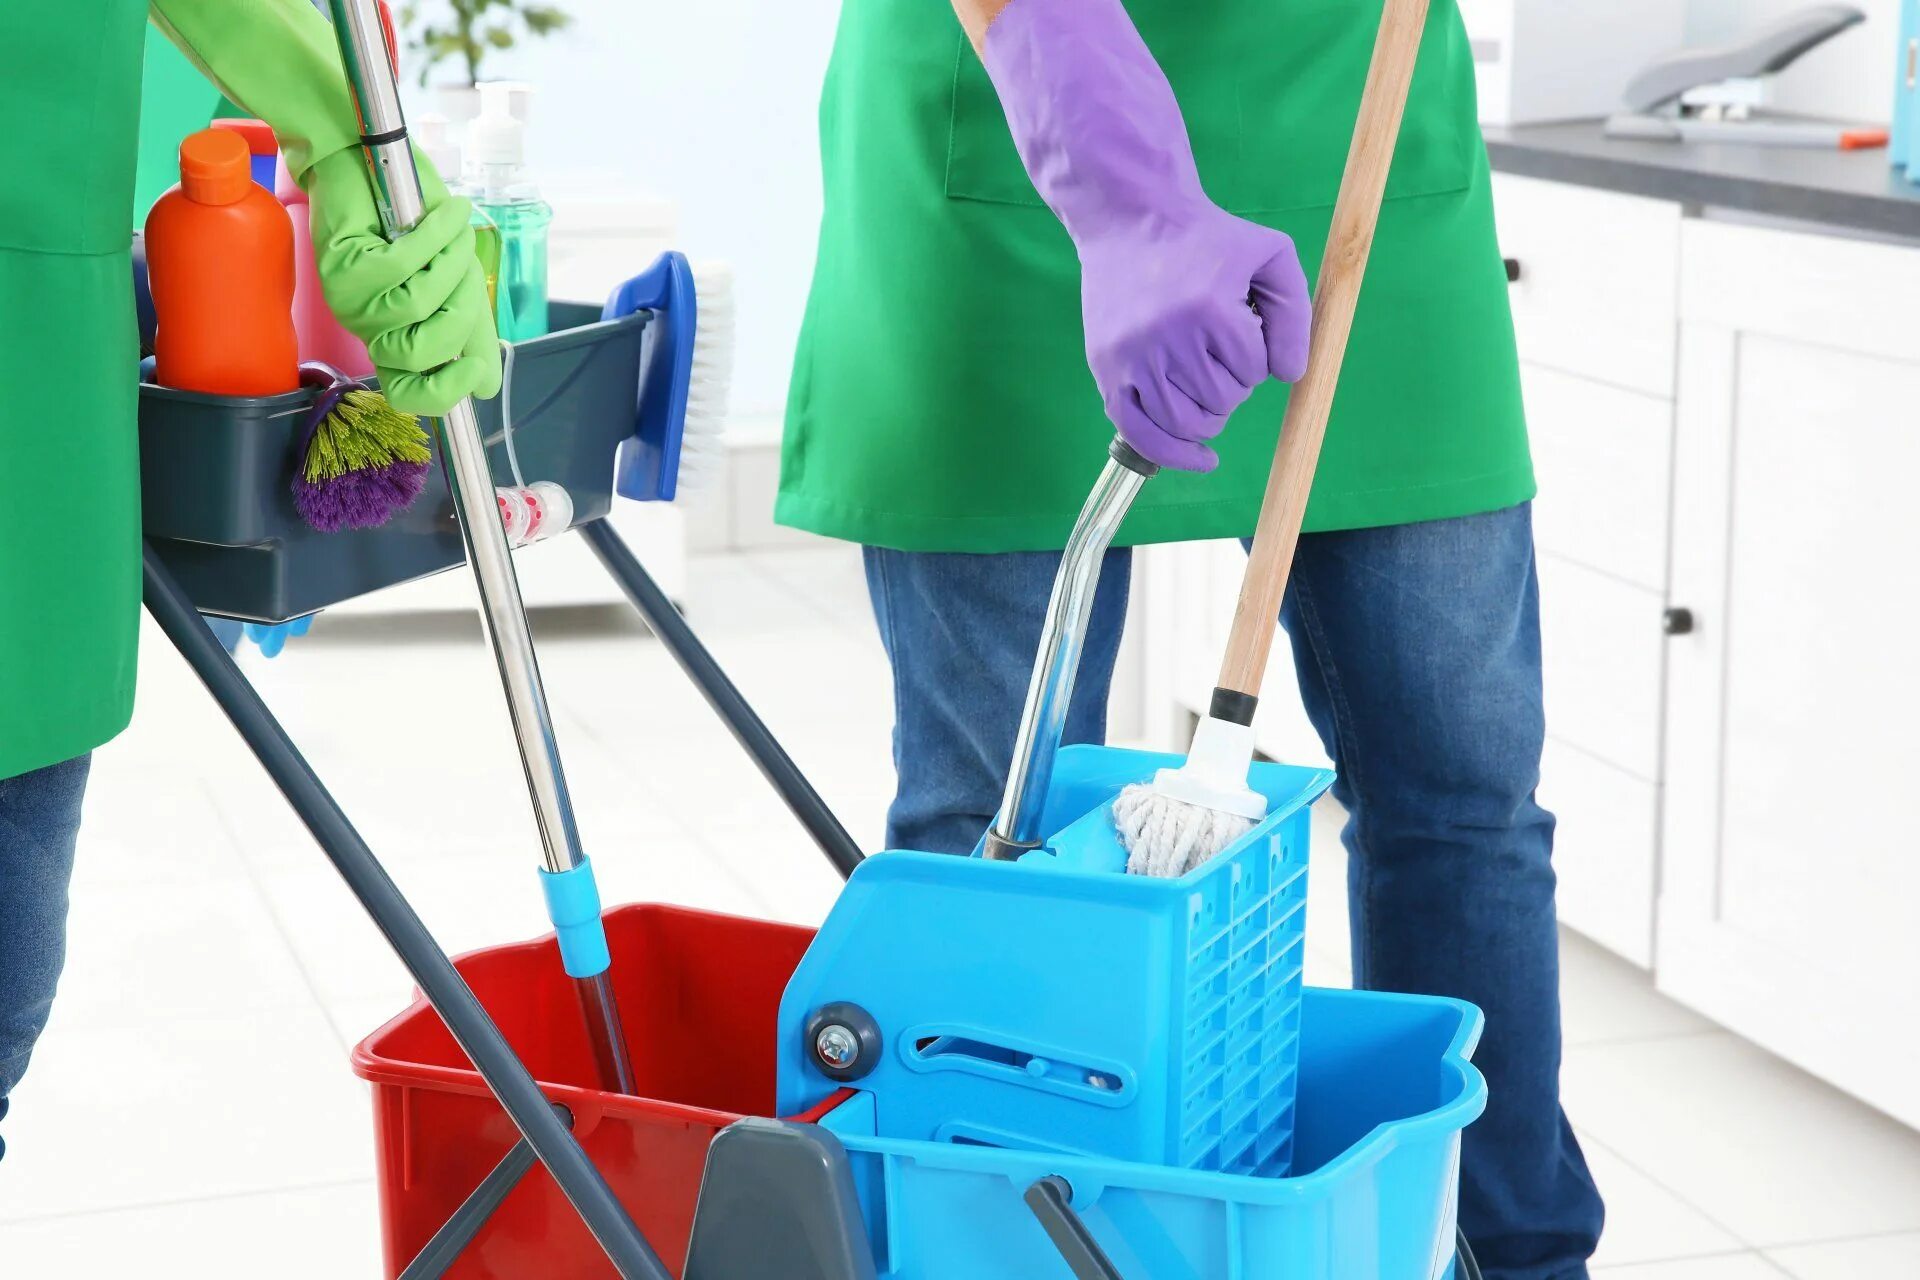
544, 20
500, 38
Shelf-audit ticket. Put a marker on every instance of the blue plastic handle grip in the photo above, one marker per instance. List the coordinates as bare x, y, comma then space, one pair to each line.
573, 904
649, 465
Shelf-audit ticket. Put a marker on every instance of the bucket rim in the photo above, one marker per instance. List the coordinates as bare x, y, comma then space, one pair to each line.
368, 1061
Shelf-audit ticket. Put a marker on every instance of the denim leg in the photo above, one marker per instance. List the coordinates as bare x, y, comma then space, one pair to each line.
39, 818
1418, 648
961, 632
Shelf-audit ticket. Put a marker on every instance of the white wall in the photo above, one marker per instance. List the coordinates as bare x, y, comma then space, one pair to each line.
711, 104
1851, 78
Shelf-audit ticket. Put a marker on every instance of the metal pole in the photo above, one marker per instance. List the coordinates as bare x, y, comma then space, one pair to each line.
452, 999
1017, 827
363, 49
748, 729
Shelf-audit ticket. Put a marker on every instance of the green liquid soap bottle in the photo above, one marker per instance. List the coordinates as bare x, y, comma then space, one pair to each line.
432, 133
498, 185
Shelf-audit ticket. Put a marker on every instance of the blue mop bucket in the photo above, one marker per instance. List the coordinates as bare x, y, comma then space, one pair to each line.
1385, 1090
1148, 1041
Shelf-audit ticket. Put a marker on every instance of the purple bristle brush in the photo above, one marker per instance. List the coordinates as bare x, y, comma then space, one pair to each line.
362, 461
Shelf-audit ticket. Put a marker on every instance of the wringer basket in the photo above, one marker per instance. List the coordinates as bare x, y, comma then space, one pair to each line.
1059, 1003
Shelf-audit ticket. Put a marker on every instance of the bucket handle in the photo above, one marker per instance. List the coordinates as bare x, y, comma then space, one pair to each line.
1051, 1200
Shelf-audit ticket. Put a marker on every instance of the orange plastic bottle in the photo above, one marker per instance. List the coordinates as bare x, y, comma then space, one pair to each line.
220, 265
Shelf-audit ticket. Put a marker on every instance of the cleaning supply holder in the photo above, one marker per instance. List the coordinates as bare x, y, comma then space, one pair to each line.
216, 474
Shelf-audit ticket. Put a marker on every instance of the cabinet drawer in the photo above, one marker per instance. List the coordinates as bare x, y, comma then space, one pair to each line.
1605, 849
1604, 652
1598, 293
1604, 457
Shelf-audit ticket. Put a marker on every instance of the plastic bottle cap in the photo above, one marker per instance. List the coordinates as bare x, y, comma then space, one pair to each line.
495, 138
433, 133
215, 167
519, 95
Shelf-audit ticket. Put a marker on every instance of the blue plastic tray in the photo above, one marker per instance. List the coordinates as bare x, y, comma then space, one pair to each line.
1060, 1003
1385, 1090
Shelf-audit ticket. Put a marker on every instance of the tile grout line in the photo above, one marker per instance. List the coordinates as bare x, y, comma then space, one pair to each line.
183, 1201
719, 860
836, 621
1821, 1241
1609, 1042
259, 888
1587, 1136
1625, 1270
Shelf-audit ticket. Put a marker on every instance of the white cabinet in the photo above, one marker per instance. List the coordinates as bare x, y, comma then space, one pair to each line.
1790, 873
1598, 274
1595, 316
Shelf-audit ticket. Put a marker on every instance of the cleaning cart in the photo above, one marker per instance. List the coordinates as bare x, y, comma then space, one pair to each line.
1031, 1065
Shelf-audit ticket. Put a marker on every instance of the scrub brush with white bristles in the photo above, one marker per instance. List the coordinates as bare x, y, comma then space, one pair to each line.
1189, 815
702, 441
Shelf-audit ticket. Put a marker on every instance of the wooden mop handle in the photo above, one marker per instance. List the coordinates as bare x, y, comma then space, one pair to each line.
1355, 215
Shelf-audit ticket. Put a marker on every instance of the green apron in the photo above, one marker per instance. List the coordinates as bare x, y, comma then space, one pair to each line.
70, 527
941, 399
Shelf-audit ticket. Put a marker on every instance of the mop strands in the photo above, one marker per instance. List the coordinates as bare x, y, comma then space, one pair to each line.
1189, 815
363, 463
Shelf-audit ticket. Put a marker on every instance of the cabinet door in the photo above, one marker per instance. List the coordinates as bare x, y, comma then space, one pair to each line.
1790, 871
1595, 295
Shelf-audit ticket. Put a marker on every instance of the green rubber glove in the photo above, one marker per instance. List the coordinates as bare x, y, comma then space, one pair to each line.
276, 58
419, 302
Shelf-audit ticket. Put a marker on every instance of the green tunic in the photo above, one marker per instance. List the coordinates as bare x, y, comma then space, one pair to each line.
69, 380
941, 399
70, 528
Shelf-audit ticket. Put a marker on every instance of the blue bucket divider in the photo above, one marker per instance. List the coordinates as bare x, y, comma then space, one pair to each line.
1385, 1089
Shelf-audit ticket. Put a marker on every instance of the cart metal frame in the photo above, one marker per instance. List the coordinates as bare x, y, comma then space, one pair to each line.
545, 1128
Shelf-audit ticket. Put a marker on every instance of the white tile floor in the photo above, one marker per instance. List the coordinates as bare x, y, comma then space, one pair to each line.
190, 1112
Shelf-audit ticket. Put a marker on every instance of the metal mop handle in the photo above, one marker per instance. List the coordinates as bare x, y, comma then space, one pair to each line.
383, 127
1049, 694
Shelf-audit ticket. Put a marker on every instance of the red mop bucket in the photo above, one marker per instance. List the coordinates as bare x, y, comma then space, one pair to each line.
700, 996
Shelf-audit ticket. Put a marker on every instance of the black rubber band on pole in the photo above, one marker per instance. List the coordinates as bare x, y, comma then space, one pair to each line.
1127, 456
1233, 706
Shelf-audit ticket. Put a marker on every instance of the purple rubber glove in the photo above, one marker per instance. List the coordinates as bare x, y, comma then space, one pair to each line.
1166, 275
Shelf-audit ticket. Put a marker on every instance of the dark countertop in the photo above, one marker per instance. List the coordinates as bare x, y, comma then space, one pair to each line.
1850, 189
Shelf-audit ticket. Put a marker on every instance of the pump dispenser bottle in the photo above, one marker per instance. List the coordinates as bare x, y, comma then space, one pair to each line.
498, 184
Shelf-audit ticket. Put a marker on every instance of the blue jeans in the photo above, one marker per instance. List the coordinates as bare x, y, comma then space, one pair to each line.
1418, 648
39, 818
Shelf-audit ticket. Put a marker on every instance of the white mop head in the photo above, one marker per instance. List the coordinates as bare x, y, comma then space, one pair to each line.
1189, 815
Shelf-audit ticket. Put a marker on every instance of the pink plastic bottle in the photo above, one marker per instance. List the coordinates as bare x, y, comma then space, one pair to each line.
321, 336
